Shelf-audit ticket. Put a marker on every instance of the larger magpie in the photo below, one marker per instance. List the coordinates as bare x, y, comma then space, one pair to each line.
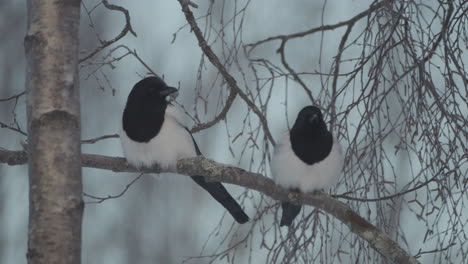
306, 158
153, 132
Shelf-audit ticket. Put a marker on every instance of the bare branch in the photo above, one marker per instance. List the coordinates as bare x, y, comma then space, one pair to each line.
127, 28
3, 125
94, 140
348, 22
102, 199
13, 97
217, 63
219, 117
214, 171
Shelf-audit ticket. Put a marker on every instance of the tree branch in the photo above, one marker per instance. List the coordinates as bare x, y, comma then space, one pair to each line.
127, 28
217, 63
16, 97
284, 38
3, 125
219, 117
214, 171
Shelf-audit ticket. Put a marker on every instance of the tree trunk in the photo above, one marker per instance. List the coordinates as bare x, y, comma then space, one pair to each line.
53, 111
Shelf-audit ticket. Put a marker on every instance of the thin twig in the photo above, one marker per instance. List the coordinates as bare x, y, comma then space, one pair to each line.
127, 28
94, 140
102, 199
217, 63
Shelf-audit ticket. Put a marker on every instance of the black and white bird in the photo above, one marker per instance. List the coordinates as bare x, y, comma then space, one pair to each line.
152, 132
306, 158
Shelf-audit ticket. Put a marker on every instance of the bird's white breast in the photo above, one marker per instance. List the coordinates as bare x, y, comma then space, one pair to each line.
172, 143
290, 172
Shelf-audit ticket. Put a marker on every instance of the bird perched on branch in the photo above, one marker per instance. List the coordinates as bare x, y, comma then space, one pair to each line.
306, 158
153, 133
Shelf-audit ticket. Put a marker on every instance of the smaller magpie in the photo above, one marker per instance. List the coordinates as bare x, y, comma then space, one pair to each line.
152, 132
306, 158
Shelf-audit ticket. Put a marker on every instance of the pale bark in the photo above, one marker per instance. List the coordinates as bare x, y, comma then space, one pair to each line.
53, 111
224, 173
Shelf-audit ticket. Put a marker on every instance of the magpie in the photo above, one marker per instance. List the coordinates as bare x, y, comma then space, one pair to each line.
152, 132
306, 158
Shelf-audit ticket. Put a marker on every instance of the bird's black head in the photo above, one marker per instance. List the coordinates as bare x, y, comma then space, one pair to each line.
150, 90
310, 120
143, 115
310, 139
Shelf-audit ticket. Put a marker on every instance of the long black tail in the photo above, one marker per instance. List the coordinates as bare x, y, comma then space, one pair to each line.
290, 211
217, 190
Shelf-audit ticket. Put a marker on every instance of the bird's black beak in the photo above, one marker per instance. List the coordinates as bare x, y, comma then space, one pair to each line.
168, 91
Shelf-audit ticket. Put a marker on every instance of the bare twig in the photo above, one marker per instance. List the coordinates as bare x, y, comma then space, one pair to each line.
94, 140
102, 199
3, 125
217, 63
13, 97
219, 117
348, 22
127, 28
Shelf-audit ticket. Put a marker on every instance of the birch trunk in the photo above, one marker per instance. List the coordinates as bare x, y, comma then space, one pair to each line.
53, 111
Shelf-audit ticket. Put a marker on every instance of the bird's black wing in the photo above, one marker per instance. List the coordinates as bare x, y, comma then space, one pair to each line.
290, 211
217, 191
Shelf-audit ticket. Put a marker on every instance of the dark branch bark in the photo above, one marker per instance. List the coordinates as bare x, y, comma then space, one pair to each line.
218, 172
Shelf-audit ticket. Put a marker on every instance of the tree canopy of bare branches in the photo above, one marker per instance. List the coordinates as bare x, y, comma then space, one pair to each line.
392, 82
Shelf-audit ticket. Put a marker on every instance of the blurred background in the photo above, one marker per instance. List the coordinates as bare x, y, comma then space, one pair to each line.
168, 219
